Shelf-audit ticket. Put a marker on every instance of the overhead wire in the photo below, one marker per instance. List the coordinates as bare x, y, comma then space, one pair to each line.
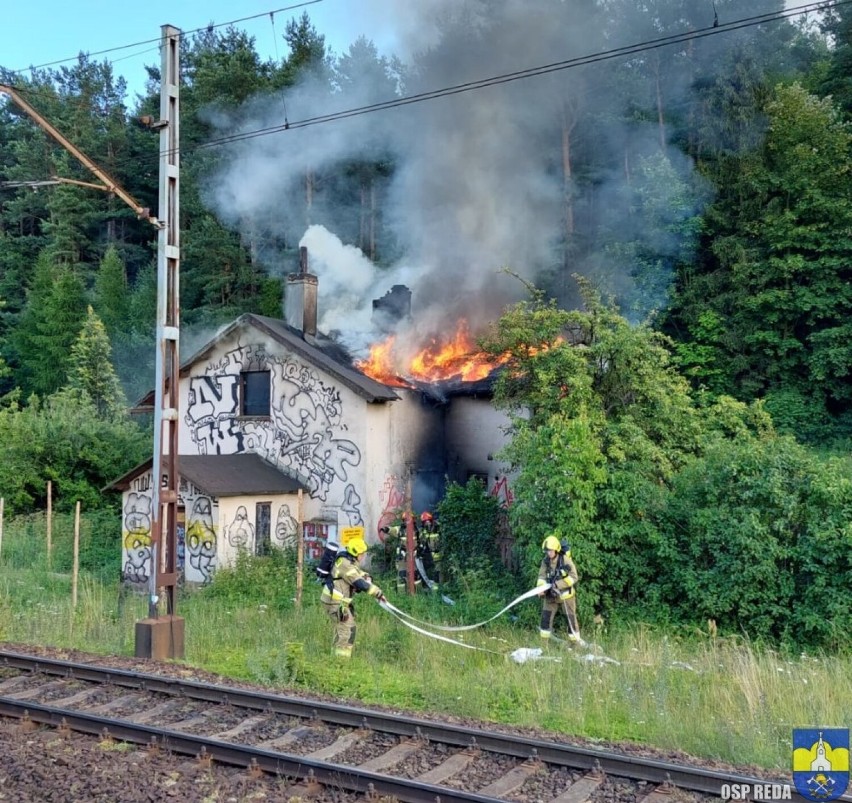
531, 72
208, 28
496, 80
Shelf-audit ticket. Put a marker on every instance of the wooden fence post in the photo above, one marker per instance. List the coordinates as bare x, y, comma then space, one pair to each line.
300, 551
76, 567
49, 521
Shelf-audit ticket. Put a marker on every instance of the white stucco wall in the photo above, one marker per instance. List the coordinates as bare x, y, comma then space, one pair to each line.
239, 527
475, 432
317, 430
414, 449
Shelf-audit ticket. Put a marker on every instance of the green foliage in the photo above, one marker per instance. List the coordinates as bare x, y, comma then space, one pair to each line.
755, 535
560, 464
600, 418
91, 371
48, 326
25, 542
63, 439
776, 273
468, 517
112, 301
796, 412
268, 580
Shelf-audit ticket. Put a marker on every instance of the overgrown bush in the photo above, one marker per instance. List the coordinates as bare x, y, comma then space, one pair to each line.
468, 519
64, 440
263, 580
756, 534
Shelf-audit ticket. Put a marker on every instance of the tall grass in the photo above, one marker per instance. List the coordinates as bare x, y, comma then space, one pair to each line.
726, 699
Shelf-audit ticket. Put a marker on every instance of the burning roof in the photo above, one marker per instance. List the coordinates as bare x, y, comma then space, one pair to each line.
452, 359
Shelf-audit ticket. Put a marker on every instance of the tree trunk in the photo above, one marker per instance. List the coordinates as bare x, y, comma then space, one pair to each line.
309, 195
362, 217
569, 121
660, 116
373, 220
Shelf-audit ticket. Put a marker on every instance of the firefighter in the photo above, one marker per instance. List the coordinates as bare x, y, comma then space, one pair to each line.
430, 546
559, 572
347, 579
401, 556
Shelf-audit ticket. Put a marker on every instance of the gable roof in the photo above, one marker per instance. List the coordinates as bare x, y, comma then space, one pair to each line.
321, 351
220, 475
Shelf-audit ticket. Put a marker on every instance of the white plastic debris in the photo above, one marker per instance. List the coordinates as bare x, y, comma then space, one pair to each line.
524, 654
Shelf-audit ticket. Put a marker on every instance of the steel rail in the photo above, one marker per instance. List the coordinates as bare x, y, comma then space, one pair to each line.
695, 779
280, 764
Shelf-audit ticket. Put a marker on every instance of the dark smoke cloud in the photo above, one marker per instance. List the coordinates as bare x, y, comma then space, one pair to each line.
477, 183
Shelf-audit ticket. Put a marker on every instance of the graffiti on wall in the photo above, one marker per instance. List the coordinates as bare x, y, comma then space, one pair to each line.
286, 528
201, 540
136, 528
240, 532
305, 435
502, 491
200, 534
391, 502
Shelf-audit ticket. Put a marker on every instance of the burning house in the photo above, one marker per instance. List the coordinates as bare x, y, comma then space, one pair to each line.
277, 422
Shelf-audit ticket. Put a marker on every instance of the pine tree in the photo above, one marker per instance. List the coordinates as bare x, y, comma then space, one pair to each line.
111, 296
48, 326
90, 368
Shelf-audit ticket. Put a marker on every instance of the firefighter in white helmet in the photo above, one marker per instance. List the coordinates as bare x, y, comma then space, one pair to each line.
558, 571
347, 579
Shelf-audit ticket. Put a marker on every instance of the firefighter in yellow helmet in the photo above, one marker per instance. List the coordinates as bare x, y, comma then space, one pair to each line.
347, 579
559, 572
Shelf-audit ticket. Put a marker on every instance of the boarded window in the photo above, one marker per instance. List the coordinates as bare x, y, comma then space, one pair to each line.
263, 515
255, 389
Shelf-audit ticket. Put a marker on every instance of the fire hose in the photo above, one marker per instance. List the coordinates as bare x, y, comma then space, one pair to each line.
431, 584
409, 621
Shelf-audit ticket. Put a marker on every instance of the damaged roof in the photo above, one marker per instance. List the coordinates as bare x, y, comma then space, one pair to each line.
220, 475
321, 351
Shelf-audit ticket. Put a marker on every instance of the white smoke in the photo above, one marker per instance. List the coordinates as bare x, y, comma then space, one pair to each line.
477, 179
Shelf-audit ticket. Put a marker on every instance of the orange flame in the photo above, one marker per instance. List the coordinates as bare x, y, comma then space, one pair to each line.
445, 359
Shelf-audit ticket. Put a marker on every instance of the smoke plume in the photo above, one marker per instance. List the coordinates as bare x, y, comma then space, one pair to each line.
478, 179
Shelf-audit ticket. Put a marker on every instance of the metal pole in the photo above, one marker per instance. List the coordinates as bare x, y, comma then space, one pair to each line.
109, 184
165, 466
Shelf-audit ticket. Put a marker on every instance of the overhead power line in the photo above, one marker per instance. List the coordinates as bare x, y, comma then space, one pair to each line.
496, 80
157, 39
545, 69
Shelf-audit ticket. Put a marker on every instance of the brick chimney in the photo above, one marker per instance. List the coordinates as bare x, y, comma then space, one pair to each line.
300, 298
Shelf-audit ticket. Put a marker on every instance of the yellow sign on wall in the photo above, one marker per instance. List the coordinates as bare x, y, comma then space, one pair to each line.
348, 533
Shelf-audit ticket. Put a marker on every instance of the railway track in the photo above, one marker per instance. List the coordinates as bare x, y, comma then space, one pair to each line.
318, 744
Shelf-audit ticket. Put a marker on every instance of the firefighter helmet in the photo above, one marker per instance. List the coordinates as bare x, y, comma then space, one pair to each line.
356, 547
426, 516
552, 542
